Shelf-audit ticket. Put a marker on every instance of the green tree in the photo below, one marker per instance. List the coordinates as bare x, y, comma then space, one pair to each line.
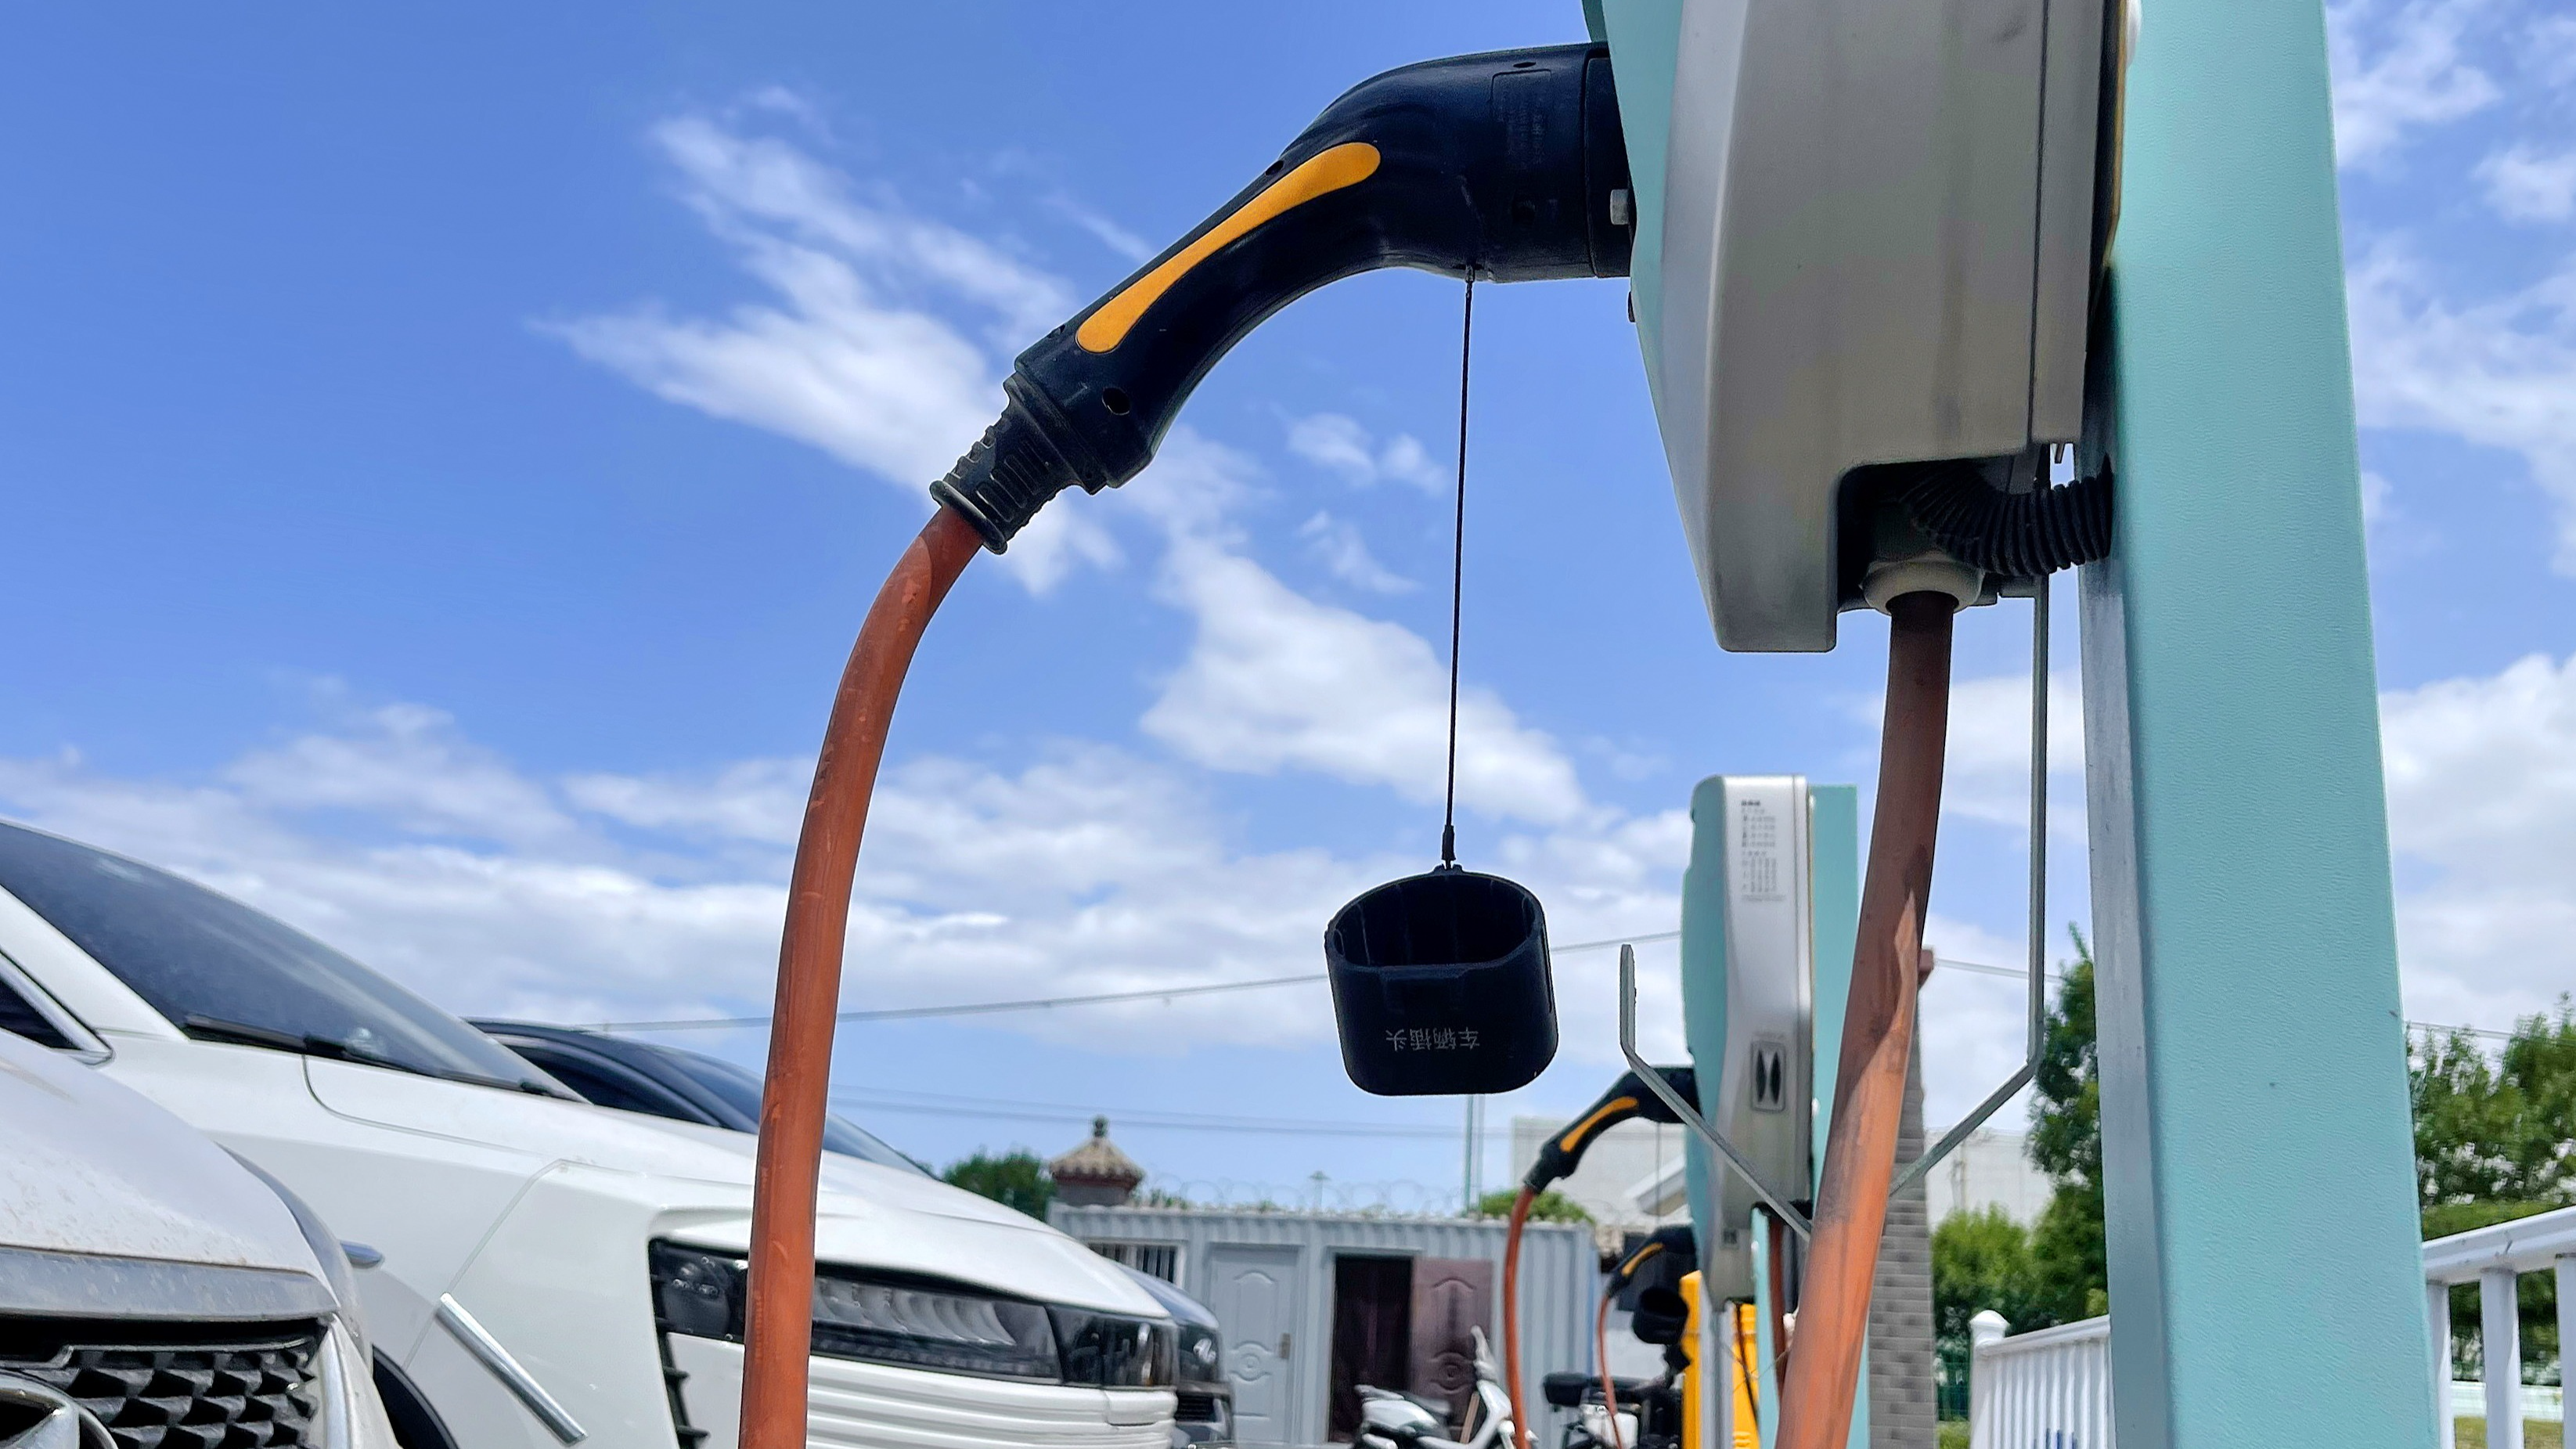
1980, 1260
2493, 1133
2070, 1270
1550, 1206
1015, 1179
2054, 1272
2495, 1139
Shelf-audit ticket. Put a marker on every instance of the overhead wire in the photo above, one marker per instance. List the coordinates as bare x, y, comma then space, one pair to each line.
1042, 1003
2018, 974
950, 1104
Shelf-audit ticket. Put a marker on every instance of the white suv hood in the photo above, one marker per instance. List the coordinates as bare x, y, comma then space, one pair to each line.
868, 1216
89, 1166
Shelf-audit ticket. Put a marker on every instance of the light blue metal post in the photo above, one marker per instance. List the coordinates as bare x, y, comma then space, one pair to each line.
1833, 890
1833, 835
2264, 1258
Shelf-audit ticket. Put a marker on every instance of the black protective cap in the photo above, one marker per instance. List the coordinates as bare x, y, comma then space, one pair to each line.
1441, 985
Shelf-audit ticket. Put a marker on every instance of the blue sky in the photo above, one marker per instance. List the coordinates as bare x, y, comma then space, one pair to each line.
450, 456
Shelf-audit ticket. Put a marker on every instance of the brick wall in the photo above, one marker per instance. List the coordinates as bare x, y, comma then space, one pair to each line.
1900, 1309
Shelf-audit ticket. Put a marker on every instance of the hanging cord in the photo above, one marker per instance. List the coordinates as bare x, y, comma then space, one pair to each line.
1457, 585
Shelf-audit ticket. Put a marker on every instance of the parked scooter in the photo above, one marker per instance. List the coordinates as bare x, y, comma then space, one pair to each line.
1649, 1417
1393, 1420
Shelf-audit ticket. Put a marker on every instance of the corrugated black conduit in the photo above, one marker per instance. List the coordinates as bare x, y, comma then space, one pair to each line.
2014, 535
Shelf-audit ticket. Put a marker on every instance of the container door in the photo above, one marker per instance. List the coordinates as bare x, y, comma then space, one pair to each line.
1254, 1294
1451, 1296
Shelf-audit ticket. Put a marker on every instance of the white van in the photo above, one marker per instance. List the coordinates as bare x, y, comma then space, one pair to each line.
553, 1272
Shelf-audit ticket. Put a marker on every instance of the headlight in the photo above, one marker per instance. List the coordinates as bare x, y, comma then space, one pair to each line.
697, 1293
1114, 1351
922, 1323
1202, 1354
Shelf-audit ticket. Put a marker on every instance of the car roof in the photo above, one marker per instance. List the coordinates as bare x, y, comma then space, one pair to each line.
642, 1058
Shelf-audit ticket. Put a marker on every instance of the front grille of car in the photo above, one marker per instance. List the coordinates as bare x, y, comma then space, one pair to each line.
1196, 1408
180, 1386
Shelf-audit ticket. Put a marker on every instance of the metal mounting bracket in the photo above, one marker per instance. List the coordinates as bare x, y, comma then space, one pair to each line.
1689, 1115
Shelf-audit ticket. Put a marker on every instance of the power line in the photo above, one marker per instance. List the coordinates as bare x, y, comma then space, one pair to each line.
2019, 974
971, 1008
943, 1104
1046, 1003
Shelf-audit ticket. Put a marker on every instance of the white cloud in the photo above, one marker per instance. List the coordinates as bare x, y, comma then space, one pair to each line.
854, 357
2399, 67
2378, 499
1986, 760
1277, 681
2482, 812
408, 764
733, 179
761, 801
537, 927
2527, 185
1986, 774
1341, 445
1339, 546
795, 105
1090, 870
896, 392
2498, 373
1108, 233
2549, 48
1974, 1031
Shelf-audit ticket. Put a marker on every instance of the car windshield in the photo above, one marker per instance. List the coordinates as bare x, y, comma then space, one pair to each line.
221, 971
741, 1090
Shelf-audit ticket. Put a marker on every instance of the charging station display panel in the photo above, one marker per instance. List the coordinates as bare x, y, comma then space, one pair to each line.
1748, 994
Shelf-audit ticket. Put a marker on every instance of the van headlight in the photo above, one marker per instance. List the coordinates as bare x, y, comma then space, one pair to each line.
916, 1322
1202, 1351
1114, 1351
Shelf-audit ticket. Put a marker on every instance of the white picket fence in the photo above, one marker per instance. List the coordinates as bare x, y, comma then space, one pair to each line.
2052, 1389
2045, 1390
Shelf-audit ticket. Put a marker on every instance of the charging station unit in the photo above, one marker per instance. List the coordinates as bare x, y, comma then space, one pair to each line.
1858, 246
1770, 907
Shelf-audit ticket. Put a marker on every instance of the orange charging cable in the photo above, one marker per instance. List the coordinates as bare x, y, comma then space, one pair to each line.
1512, 1313
779, 1321
1823, 1375
1601, 1356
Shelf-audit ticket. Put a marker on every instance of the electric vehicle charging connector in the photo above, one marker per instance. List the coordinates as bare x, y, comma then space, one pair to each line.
1504, 166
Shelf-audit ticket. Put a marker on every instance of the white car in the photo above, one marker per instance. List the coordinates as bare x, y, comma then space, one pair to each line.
553, 1272
154, 1294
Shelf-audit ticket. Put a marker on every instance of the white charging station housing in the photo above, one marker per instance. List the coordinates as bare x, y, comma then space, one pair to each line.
1880, 233
1765, 1101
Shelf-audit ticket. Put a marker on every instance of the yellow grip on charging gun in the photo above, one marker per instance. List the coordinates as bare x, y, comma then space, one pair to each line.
1321, 174
1628, 1269
1607, 1114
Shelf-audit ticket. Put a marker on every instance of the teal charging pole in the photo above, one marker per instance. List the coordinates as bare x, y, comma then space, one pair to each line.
2266, 1283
